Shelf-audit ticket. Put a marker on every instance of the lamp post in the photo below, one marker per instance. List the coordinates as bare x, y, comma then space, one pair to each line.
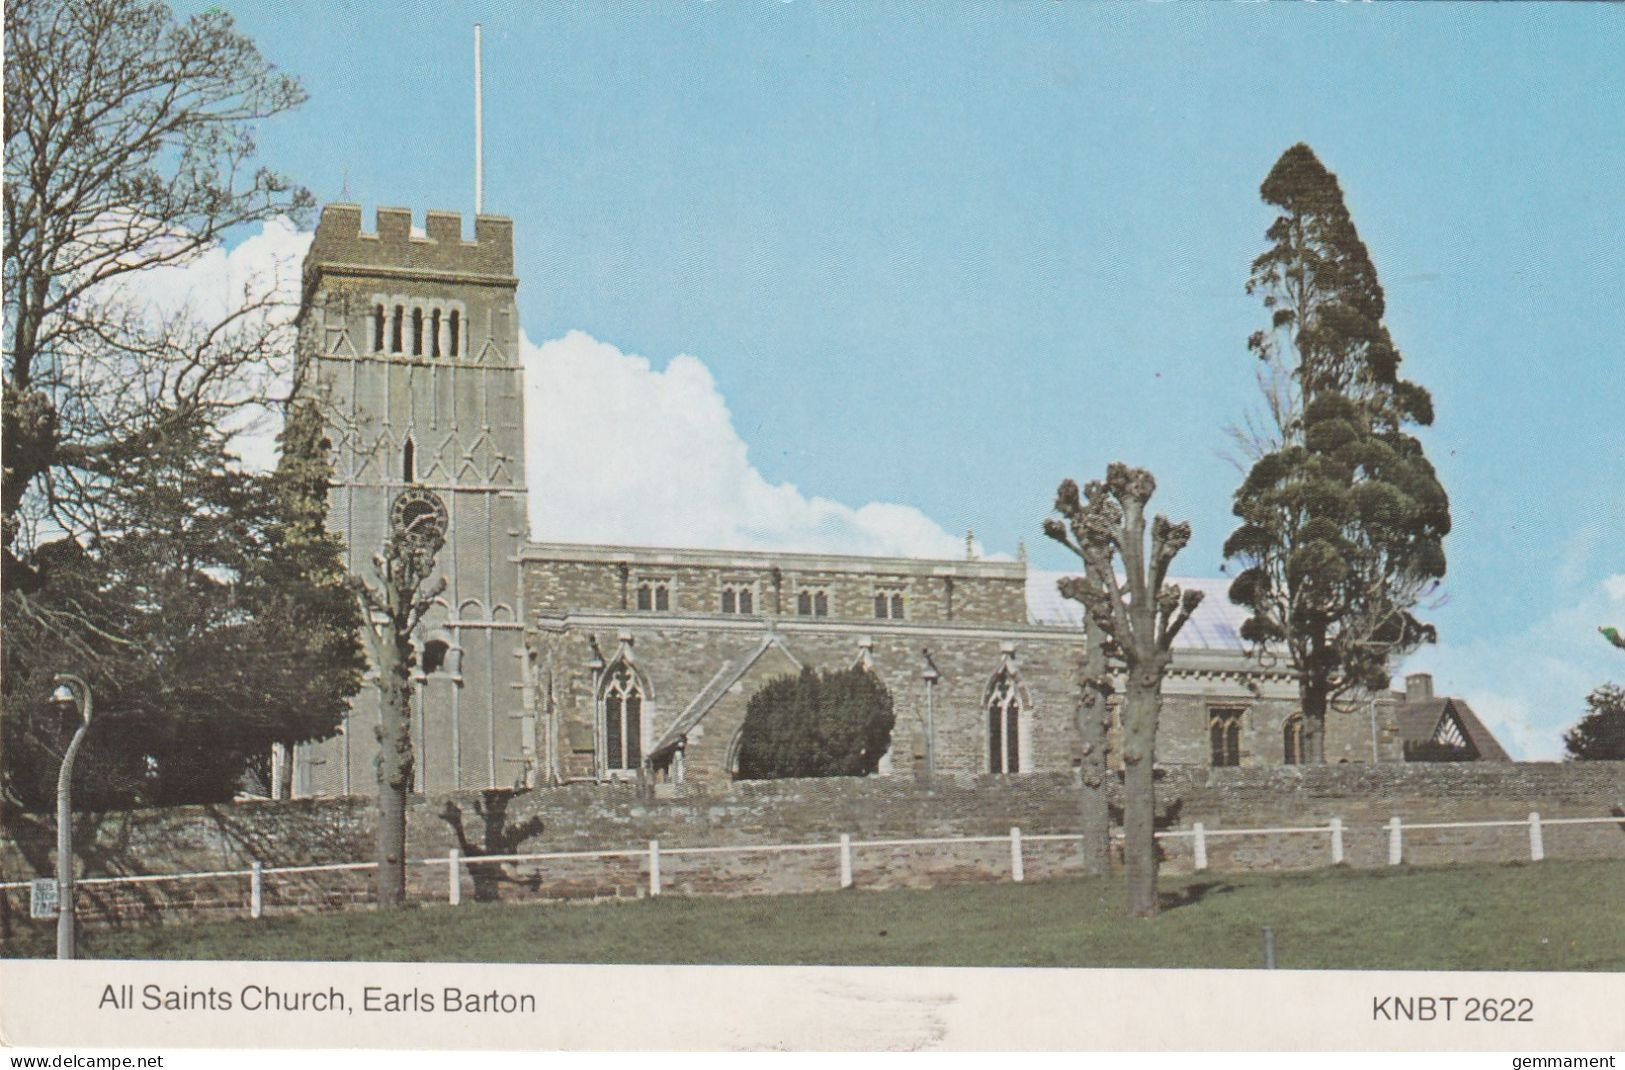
71, 693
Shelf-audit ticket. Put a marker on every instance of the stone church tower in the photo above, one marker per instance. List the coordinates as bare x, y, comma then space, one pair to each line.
411, 344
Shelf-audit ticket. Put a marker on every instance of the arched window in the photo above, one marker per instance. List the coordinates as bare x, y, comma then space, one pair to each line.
456, 331
1224, 736
623, 719
434, 333
417, 332
378, 328
409, 470
1004, 724
395, 329
1292, 740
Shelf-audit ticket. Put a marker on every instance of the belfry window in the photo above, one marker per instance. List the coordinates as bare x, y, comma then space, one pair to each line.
378, 318
417, 332
409, 468
395, 329
1004, 725
434, 333
1292, 740
456, 331
1224, 736
623, 720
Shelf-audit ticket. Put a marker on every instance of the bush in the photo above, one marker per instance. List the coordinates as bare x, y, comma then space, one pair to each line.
816, 724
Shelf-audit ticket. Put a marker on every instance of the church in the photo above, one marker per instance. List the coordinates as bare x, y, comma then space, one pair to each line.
546, 664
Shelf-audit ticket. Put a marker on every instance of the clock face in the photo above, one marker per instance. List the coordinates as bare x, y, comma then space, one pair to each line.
419, 517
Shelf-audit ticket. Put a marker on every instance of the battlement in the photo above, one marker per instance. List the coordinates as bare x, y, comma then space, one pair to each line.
340, 242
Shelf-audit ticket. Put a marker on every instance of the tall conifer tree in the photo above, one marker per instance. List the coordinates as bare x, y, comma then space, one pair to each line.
1342, 516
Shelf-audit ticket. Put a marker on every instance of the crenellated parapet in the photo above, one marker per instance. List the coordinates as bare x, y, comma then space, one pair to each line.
341, 244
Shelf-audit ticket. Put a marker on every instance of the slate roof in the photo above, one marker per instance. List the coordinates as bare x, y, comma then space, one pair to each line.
1419, 721
1216, 624
712, 692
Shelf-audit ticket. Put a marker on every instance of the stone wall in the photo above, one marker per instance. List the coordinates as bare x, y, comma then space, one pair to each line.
624, 817
562, 579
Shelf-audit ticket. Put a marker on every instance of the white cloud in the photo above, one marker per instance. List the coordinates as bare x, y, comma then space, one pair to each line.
617, 451
1529, 685
621, 452
260, 274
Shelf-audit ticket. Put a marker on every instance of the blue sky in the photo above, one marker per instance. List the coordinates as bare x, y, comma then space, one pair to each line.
945, 255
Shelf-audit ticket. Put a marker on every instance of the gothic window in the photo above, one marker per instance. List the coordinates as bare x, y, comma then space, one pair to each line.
1292, 740
409, 472
456, 331
623, 720
889, 603
812, 602
417, 332
654, 595
1224, 736
434, 333
1004, 724
395, 329
738, 598
378, 328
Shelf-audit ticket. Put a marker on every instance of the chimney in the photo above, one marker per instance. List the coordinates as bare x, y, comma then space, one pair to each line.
1419, 687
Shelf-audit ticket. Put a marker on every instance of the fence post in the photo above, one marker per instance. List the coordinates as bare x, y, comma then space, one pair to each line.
1199, 846
846, 860
1337, 841
654, 867
1018, 869
1537, 843
454, 879
1396, 846
256, 889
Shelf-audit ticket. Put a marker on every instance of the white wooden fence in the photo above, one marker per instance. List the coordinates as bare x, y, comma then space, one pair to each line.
845, 846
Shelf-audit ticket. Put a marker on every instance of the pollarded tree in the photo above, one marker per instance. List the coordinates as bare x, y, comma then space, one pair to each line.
1342, 516
816, 724
1141, 614
393, 609
1599, 736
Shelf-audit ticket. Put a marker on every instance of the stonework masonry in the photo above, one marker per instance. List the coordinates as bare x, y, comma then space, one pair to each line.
623, 816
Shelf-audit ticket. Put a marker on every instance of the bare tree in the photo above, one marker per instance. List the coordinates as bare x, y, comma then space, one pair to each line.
128, 147
1094, 722
1141, 614
393, 609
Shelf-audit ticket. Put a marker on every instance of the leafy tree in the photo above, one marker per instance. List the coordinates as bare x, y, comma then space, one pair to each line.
303, 602
1599, 736
816, 724
128, 146
1613, 636
1141, 615
194, 671
1342, 516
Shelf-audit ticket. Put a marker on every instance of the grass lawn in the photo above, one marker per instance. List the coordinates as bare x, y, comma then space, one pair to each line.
1550, 916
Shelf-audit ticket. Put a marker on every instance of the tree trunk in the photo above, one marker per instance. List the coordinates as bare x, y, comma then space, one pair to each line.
1092, 726
394, 774
1312, 694
1140, 709
283, 788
